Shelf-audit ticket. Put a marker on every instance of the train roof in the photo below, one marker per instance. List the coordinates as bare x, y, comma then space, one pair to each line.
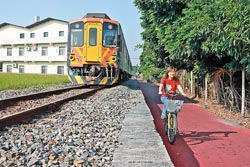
97, 15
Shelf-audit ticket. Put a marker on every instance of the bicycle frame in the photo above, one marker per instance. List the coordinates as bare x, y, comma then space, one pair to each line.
170, 123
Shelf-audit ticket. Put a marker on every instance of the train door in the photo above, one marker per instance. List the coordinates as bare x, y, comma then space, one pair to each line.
93, 36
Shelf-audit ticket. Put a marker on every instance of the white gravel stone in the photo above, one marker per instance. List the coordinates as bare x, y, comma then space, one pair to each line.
82, 131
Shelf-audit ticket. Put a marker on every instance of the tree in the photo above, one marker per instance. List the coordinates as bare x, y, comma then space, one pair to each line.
211, 35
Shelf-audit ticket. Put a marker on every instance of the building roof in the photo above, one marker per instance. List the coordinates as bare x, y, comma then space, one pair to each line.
9, 24
44, 21
34, 24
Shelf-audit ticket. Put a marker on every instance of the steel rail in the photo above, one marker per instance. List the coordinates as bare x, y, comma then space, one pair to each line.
30, 113
4, 102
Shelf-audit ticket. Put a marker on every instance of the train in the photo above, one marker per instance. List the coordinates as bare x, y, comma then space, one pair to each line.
97, 53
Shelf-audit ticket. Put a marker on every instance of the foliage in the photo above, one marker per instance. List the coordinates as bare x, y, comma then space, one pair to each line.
153, 54
205, 36
21, 81
209, 34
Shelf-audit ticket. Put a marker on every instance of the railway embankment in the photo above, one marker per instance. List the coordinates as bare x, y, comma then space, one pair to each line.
86, 132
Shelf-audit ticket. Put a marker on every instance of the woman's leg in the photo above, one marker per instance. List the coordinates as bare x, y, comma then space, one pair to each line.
164, 107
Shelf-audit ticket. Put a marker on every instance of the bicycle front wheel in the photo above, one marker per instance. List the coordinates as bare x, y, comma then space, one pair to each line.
165, 124
172, 128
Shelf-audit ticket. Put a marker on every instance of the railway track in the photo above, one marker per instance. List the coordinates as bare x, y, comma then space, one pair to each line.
22, 108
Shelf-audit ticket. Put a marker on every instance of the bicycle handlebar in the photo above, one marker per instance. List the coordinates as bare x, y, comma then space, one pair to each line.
172, 95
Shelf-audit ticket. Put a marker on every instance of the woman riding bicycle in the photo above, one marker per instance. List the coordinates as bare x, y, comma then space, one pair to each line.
168, 85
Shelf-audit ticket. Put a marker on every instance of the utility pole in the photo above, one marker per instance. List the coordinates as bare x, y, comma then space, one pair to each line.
191, 83
206, 87
243, 93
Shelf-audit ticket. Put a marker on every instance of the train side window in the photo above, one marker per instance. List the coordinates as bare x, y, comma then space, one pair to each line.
92, 36
119, 41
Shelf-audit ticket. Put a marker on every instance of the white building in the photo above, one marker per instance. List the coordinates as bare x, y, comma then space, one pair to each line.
38, 48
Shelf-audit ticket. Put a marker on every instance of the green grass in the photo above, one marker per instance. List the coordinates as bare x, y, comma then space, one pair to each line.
21, 81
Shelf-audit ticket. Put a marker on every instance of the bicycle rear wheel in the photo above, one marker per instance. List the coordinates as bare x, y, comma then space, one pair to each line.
172, 128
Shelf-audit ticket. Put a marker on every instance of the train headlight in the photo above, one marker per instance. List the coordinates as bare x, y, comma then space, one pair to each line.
110, 26
72, 58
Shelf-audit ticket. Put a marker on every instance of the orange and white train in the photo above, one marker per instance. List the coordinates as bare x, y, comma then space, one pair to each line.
97, 51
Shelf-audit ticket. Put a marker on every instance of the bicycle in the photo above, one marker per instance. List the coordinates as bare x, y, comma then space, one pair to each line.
170, 122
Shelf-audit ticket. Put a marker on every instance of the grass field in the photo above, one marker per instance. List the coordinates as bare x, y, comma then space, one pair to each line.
21, 81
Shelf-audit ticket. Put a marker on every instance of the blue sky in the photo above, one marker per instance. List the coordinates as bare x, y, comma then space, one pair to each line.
23, 12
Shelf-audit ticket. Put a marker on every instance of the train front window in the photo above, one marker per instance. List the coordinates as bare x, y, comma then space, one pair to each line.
109, 35
92, 36
76, 34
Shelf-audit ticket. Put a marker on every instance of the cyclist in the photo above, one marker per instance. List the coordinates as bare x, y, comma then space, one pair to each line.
169, 83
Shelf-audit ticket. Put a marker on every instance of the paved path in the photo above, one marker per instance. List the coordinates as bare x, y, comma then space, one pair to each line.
205, 140
142, 145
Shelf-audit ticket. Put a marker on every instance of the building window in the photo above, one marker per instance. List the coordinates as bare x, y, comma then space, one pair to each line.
62, 50
34, 47
21, 51
9, 68
44, 51
44, 69
60, 69
21, 35
21, 68
45, 34
61, 33
9, 51
32, 35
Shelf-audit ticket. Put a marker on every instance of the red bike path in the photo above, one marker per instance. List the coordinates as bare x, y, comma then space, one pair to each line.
204, 139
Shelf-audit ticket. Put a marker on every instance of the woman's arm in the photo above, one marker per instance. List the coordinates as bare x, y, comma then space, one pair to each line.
160, 89
181, 90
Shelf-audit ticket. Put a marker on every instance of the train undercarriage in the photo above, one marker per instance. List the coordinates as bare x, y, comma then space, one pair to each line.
93, 74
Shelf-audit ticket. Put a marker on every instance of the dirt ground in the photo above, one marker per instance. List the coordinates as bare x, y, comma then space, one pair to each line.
224, 113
